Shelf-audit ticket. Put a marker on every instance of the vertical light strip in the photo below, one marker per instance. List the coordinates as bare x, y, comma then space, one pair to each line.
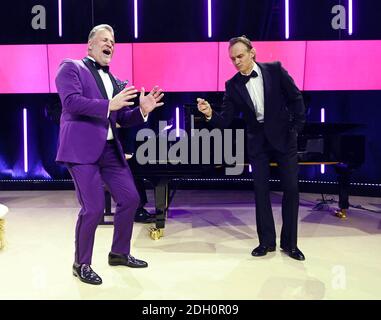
350, 17
60, 18
192, 125
177, 122
322, 120
136, 18
250, 168
322, 115
287, 19
25, 128
209, 18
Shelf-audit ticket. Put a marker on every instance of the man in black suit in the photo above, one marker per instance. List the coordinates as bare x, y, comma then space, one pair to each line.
274, 112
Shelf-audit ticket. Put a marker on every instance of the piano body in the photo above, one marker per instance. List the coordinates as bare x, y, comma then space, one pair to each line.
319, 143
333, 144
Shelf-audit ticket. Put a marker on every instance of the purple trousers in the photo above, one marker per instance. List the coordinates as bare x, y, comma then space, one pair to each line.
89, 180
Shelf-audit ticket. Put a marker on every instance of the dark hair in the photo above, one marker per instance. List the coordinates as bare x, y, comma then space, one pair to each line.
243, 39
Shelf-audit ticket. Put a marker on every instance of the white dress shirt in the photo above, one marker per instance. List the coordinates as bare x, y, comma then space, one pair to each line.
110, 90
255, 88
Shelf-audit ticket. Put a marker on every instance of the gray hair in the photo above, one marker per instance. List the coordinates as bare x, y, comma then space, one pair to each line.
100, 27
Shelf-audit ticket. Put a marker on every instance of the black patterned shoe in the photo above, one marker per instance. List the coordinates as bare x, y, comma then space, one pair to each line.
86, 274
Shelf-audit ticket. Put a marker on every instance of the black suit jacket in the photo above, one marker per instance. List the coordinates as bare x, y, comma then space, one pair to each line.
284, 111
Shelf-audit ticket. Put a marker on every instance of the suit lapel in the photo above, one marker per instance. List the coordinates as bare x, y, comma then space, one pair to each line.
113, 114
96, 76
114, 84
102, 89
266, 82
241, 88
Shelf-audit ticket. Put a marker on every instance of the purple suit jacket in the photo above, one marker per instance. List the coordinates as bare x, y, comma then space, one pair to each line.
84, 123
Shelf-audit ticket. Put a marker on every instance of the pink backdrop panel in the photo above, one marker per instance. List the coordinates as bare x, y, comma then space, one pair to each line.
290, 53
176, 66
24, 69
121, 65
59, 52
343, 65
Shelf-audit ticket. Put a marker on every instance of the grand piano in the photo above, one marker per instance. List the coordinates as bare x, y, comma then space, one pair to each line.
319, 143
333, 144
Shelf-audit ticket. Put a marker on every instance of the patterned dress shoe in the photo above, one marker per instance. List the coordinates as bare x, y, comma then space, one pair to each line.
294, 253
261, 250
86, 274
128, 260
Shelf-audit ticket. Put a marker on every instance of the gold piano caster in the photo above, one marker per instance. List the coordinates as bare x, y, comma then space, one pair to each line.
341, 213
3, 212
156, 233
2, 234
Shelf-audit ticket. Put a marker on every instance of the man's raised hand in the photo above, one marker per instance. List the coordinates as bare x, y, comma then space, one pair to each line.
150, 101
122, 99
204, 107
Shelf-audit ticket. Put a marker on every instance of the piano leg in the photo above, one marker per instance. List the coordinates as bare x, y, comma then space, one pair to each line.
108, 216
341, 213
161, 204
344, 173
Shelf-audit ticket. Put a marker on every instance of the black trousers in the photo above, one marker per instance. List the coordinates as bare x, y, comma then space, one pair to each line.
140, 187
288, 169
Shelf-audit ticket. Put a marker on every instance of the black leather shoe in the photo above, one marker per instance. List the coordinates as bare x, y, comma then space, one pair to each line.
86, 274
128, 260
294, 253
262, 250
143, 216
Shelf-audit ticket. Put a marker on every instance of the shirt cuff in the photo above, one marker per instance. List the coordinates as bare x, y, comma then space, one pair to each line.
208, 118
145, 118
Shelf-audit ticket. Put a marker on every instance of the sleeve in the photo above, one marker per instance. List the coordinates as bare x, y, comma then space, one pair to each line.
294, 99
70, 90
224, 118
127, 117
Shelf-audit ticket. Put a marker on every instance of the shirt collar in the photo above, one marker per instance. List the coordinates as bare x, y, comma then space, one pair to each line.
93, 60
255, 68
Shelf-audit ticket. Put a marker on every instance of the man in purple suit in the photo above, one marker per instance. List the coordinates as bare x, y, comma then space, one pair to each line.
92, 104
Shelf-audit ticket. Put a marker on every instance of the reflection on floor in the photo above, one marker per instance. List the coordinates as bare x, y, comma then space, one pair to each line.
205, 253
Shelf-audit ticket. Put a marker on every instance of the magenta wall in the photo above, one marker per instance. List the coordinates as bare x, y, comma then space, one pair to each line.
199, 66
343, 65
290, 53
59, 52
24, 69
122, 60
176, 66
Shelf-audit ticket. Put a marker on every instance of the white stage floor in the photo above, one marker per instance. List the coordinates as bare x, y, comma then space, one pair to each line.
205, 253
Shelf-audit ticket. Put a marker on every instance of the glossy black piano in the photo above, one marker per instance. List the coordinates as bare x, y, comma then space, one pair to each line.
319, 143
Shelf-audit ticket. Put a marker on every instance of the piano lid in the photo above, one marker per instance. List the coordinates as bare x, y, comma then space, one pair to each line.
326, 128
322, 128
